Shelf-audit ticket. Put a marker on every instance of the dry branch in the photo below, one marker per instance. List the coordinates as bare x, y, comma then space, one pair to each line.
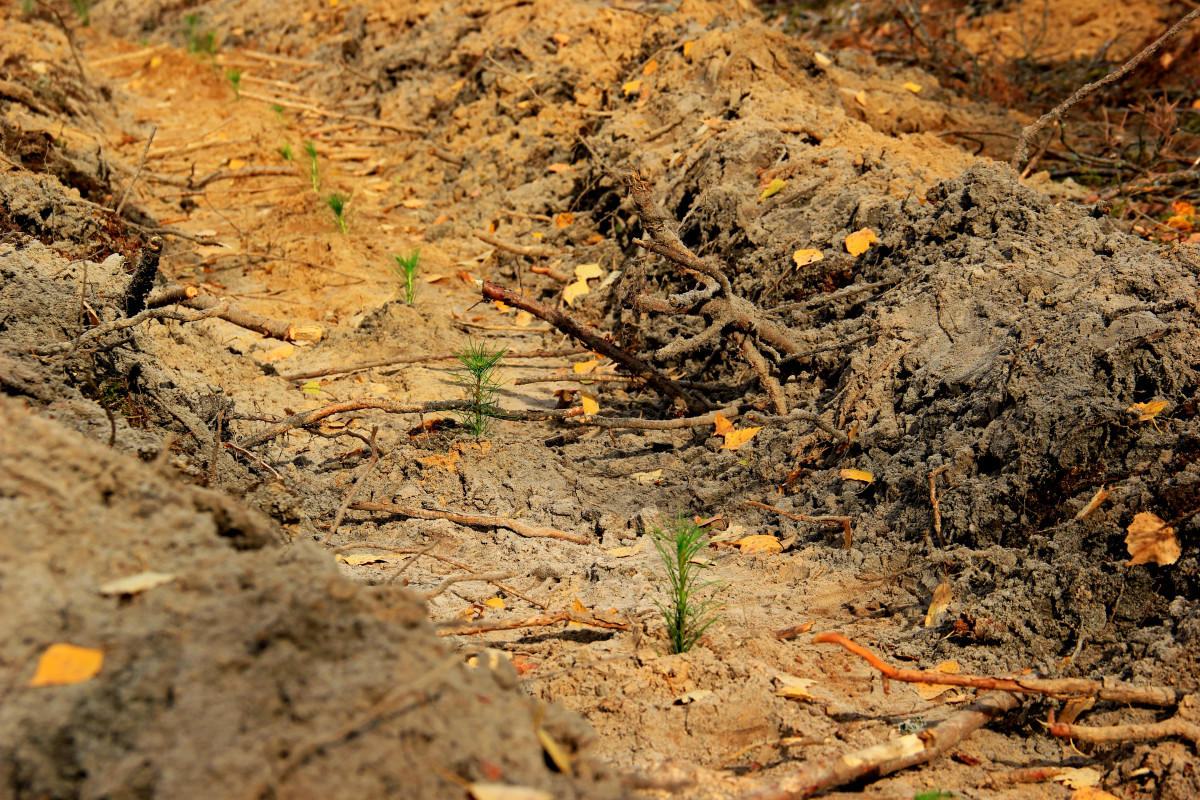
309, 417
393, 362
715, 299
1056, 114
538, 620
271, 328
888, 757
593, 340
121, 324
425, 552
475, 520
533, 251
1054, 687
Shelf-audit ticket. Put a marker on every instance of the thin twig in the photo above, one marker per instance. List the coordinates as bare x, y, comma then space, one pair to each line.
486, 577
538, 620
309, 417
400, 360
933, 500
324, 112
137, 172
533, 251
475, 520
341, 512
1056, 114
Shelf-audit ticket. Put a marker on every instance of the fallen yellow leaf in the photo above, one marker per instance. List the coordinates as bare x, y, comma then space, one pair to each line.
822, 59
759, 543
564, 220
64, 664
723, 426
915, 88
647, 478
590, 404
651, 67
312, 387
584, 367
735, 439
1149, 538
558, 168
857, 475
687, 48
585, 271
942, 596
626, 552
574, 290
773, 188
237, 163
1148, 411
501, 306
859, 242
805, 257
861, 97
413, 203
562, 39
156, 62
794, 688
928, 691
523, 319
631, 87
495, 602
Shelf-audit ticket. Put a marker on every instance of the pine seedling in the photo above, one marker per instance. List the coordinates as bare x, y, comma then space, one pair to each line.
235, 80
687, 615
198, 43
479, 381
337, 203
314, 171
406, 271
285, 150
278, 109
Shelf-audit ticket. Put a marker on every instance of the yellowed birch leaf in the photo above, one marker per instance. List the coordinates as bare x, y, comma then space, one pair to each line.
735, 439
1149, 538
805, 257
942, 596
65, 664
859, 242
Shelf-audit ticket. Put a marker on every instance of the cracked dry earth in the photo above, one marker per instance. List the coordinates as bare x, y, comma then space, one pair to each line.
984, 350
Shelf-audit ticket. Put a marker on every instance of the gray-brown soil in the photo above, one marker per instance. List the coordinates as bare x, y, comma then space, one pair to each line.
994, 336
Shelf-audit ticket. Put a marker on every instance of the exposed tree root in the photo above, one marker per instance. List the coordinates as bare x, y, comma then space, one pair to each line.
538, 620
1054, 687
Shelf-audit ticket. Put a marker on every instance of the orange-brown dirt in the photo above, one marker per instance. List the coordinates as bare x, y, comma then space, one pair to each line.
989, 343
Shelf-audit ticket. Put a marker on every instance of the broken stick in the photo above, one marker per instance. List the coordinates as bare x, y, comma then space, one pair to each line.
888, 757
538, 620
309, 417
593, 340
475, 520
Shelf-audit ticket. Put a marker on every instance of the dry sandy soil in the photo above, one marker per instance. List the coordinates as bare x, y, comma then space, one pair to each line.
979, 359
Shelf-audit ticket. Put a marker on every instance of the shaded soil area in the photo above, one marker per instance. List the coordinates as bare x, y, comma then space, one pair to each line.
990, 380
